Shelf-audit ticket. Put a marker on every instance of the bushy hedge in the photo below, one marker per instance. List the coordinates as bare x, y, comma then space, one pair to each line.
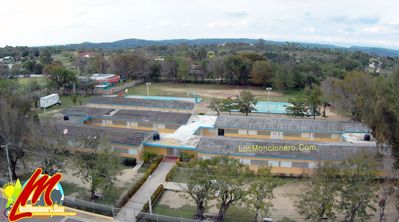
171, 173
132, 190
154, 197
131, 162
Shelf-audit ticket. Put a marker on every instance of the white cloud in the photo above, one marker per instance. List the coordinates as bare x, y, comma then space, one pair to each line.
47, 22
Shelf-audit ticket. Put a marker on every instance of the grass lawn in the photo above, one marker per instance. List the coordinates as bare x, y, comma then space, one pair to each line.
233, 214
25, 81
208, 91
66, 102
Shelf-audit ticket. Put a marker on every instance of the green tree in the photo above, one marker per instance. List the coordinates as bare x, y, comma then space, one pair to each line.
262, 73
45, 140
61, 78
318, 198
215, 105
313, 100
246, 102
155, 71
237, 70
201, 186
228, 105
260, 193
45, 57
230, 183
298, 107
97, 164
358, 194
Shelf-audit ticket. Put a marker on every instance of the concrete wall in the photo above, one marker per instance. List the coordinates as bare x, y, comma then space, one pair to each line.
147, 126
112, 106
264, 134
279, 170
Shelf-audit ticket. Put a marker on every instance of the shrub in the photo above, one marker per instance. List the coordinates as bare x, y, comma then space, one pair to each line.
186, 157
131, 162
157, 193
149, 157
171, 173
140, 182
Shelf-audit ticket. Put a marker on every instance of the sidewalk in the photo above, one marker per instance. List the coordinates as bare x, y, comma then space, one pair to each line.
136, 203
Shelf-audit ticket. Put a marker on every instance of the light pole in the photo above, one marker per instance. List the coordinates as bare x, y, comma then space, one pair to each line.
268, 96
149, 194
148, 84
8, 160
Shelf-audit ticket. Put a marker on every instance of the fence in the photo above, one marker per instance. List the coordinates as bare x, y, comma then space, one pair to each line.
90, 206
146, 217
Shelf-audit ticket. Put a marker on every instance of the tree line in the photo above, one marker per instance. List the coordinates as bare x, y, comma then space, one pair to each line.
347, 191
26, 138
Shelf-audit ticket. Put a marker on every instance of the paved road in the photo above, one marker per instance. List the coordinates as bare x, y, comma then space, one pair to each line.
136, 203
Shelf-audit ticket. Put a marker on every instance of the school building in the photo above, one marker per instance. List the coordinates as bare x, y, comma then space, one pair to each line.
290, 146
126, 142
118, 102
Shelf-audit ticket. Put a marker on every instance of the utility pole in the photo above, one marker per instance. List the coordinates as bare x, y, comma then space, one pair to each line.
148, 84
8, 160
268, 96
149, 194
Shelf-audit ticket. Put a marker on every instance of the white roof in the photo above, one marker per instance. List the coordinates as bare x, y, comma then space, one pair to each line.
49, 96
101, 76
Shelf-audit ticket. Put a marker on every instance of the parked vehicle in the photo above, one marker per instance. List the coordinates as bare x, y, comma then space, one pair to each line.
50, 100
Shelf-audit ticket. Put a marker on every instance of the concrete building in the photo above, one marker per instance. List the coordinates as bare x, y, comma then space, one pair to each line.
126, 142
283, 128
115, 102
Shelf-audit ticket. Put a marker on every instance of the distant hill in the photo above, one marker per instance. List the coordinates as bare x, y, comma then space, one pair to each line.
134, 43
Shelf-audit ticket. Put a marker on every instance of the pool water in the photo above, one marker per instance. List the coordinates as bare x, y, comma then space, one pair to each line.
166, 98
271, 107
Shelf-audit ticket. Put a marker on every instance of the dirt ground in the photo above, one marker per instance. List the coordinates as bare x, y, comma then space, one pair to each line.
202, 107
283, 203
223, 92
127, 175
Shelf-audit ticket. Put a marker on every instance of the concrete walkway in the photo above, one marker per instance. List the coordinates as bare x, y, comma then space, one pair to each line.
136, 203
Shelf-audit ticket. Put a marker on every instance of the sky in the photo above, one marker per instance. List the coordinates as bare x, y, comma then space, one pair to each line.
340, 22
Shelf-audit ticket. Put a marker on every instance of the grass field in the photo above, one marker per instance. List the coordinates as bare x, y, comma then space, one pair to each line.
233, 214
25, 81
207, 91
67, 102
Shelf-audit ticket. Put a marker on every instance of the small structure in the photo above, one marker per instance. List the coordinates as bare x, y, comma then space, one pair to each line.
49, 100
105, 80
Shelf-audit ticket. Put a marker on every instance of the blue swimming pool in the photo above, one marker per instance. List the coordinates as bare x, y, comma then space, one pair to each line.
166, 98
272, 107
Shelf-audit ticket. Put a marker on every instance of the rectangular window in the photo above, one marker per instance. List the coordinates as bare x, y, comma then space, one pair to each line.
311, 136
108, 122
277, 135
132, 151
245, 161
252, 132
300, 164
274, 163
242, 132
285, 164
259, 162
312, 165
161, 126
